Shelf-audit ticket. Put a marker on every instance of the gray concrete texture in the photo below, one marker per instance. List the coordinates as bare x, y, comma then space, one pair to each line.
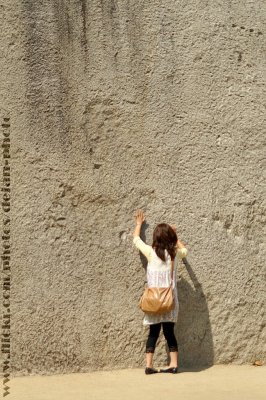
119, 105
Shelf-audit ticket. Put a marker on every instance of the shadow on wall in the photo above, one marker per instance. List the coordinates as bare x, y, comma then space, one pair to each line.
193, 328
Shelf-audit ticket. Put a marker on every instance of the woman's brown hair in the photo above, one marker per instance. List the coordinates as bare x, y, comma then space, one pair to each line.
164, 237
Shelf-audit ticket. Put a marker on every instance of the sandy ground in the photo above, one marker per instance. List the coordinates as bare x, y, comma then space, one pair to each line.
216, 383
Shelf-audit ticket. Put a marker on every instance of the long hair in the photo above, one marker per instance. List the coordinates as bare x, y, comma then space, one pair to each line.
164, 237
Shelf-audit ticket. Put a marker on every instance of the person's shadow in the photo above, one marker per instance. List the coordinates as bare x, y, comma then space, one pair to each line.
193, 328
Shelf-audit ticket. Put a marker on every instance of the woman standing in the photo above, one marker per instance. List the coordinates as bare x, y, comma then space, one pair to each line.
164, 248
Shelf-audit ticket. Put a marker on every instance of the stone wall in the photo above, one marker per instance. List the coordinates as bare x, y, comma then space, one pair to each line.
118, 105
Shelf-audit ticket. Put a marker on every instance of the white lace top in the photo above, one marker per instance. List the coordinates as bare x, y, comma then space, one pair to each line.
159, 275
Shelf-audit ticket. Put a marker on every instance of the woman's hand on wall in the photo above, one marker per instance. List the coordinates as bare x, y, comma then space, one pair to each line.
139, 216
173, 227
139, 219
179, 244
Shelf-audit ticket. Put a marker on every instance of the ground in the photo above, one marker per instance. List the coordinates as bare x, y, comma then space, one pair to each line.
220, 382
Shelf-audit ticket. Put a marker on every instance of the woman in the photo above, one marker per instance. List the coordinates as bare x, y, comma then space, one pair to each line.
164, 248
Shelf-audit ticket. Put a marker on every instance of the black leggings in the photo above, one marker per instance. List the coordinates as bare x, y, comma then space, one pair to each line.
168, 331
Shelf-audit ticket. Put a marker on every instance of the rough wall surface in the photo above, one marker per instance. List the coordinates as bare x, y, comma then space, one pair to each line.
118, 105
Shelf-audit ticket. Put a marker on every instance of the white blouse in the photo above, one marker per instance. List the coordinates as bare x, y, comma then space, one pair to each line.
159, 275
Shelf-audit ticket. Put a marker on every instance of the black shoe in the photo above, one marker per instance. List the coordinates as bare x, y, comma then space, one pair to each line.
173, 370
149, 371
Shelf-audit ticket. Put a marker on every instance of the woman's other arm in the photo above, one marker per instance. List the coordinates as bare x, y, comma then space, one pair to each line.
181, 248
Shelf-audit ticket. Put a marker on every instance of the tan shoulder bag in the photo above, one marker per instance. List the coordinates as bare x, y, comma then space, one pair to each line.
158, 300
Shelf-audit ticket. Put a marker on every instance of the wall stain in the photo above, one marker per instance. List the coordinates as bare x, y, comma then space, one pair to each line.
84, 28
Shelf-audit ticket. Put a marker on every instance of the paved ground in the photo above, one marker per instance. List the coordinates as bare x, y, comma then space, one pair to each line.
215, 383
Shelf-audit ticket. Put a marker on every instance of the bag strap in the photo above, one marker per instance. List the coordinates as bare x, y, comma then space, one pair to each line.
172, 271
